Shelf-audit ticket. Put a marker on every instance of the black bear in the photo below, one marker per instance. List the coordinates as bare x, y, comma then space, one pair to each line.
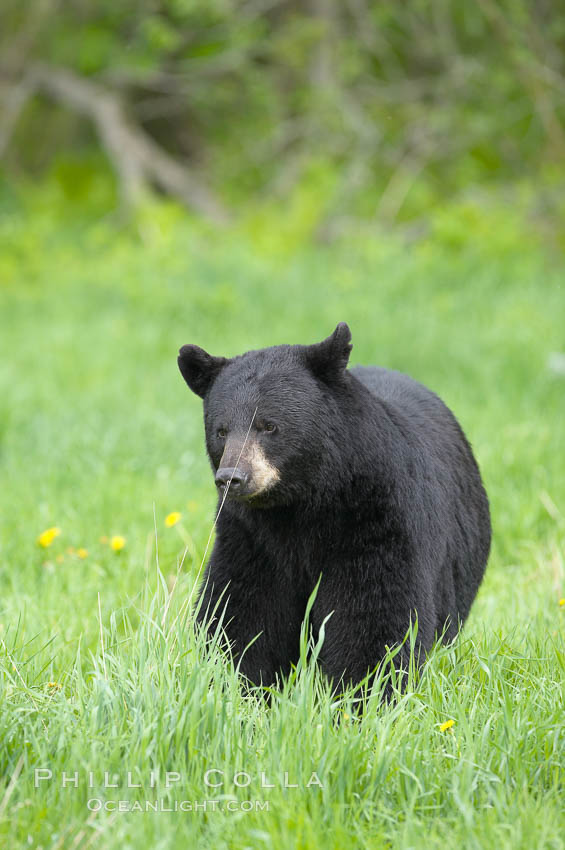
361, 476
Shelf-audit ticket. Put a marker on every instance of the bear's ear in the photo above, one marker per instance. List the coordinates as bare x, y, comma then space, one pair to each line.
198, 368
328, 359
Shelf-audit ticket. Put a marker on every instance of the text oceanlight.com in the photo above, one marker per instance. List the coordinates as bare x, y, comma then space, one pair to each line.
96, 804
173, 783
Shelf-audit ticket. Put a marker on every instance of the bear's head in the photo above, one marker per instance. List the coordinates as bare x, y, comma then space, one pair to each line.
271, 416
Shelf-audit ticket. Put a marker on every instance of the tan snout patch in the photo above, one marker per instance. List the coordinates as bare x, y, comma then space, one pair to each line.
263, 473
253, 461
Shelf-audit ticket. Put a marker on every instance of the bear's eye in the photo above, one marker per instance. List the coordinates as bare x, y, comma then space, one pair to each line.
269, 427
222, 433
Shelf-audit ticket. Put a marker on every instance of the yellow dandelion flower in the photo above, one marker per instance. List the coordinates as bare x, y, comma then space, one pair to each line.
82, 553
346, 716
54, 686
47, 537
447, 725
562, 602
172, 519
117, 542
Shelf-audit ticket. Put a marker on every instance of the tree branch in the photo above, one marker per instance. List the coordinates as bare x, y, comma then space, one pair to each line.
14, 100
137, 159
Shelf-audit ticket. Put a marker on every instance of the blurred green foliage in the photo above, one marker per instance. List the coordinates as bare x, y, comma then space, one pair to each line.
386, 109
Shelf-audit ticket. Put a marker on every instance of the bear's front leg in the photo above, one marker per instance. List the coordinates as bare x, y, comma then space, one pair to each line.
367, 616
260, 615
221, 604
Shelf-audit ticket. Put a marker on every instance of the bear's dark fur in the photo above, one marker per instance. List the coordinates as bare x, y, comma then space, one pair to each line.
363, 476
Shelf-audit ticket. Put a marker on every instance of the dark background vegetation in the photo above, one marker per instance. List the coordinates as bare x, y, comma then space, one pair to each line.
333, 112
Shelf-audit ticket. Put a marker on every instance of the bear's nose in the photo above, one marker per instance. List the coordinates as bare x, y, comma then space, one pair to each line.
235, 477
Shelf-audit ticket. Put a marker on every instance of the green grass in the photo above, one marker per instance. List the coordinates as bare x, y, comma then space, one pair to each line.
99, 436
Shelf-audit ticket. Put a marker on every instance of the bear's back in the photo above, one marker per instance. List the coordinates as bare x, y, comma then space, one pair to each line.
426, 430
400, 391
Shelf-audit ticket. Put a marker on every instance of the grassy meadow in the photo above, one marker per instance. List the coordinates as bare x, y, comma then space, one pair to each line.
100, 672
